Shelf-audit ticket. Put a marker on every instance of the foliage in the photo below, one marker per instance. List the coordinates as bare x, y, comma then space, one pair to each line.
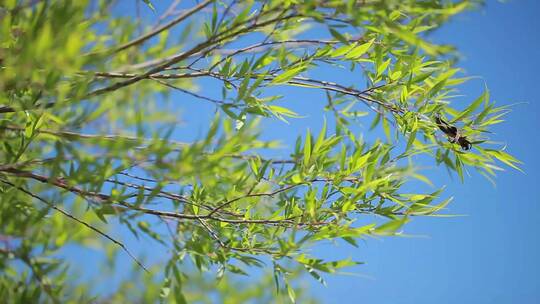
88, 120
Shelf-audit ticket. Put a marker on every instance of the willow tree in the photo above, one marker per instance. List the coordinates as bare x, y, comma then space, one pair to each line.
90, 94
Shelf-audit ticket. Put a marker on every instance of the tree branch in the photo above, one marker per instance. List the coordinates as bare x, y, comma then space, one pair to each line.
69, 215
164, 27
215, 40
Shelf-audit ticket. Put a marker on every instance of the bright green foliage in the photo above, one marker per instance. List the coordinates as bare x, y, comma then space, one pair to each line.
89, 148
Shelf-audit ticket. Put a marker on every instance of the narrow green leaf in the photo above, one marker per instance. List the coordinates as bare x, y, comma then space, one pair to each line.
473, 106
307, 148
150, 5
288, 75
359, 50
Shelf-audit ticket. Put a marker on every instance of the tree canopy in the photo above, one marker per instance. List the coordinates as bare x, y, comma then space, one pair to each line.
91, 94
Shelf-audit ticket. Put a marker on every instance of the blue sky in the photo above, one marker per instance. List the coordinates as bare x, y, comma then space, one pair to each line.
490, 255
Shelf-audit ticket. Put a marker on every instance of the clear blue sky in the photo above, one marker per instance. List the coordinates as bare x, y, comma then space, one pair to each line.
491, 255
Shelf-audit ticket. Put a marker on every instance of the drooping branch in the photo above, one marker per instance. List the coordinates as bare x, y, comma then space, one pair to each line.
214, 40
297, 80
125, 206
76, 219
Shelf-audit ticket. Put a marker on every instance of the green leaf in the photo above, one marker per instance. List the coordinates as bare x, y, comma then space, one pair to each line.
390, 228
383, 66
288, 75
320, 138
473, 106
386, 129
411, 139
307, 149
281, 111
342, 50
505, 158
315, 275
290, 292
150, 5
360, 50
338, 36
166, 289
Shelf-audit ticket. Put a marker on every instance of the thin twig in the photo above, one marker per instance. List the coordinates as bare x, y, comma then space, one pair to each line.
69, 215
71, 135
297, 80
216, 40
169, 12
164, 27
215, 101
250, 195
